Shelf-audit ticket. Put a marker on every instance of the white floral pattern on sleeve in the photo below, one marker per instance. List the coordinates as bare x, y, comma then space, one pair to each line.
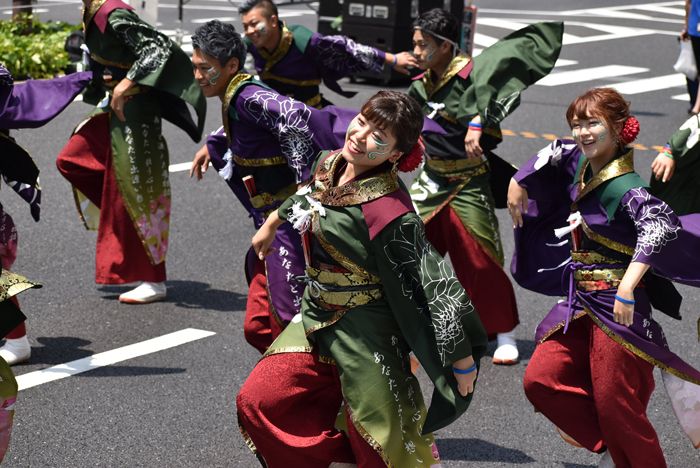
343, 54
551, 154
430, 282
656, 223
288, 120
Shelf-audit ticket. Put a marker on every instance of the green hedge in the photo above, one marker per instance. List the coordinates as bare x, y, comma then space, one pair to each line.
38, 54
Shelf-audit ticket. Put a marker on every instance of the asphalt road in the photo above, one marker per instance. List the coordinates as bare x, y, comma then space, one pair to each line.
176, 407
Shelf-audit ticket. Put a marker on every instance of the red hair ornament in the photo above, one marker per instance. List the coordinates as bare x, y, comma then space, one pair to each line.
409, 162
630, 130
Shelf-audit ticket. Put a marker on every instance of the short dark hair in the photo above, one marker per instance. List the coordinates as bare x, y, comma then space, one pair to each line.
266, 5
400, 112
221, 41
440, 22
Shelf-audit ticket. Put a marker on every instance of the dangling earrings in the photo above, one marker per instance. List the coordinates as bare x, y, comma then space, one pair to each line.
616, 141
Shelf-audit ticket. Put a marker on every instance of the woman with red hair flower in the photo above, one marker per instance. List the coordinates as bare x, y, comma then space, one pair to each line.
377, 290
592, 371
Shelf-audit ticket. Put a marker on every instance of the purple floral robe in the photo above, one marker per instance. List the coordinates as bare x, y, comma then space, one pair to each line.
642, 224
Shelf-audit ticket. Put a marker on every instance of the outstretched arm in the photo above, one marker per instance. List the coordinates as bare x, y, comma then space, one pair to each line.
265, 235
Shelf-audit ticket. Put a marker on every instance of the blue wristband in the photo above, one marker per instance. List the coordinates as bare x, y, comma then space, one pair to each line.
474, 124
396, 59
464, 371
623, 300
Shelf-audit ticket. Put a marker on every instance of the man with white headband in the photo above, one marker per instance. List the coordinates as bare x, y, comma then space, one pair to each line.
294, 61
462, 181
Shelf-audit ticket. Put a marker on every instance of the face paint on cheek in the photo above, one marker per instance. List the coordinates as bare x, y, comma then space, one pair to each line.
378, 153
604, 134
429, 58
262, 27
350, 127
575, 134
211, 77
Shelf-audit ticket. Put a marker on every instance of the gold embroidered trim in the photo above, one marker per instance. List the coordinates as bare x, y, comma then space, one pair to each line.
91, 10
615, 168
458, 168
259, 162
592, 258
263, 199
455, 66
107, 63
231, 89
286, 39
337, 316
636, 351
609, 243
288, 349
448, 199
366, 435
605, 274
249, 442
353, 193
266, 76
269, 296
559, 326
344, 261
327, 360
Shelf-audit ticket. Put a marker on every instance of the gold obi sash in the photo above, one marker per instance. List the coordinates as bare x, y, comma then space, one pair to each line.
259, 162
314, 101
597, 279
264, 199
340, 290
457, 168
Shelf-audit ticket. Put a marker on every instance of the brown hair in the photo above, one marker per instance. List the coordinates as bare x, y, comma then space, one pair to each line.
604, 103
398, 111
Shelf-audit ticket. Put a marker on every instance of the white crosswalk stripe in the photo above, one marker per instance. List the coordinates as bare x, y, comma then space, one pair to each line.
589, 74
677, 80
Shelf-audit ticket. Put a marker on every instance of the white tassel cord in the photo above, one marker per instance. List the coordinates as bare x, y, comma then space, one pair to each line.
301, 218
574, 221
435, 107
227, 171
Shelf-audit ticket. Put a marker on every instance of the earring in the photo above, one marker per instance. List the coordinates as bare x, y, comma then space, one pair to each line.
616, 141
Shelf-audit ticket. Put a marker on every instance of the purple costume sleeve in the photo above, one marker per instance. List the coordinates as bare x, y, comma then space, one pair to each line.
345, 56
34, 103
551, 165
669, 243
217, 144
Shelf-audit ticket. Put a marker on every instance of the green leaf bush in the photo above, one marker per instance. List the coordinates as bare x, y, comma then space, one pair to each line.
37, 54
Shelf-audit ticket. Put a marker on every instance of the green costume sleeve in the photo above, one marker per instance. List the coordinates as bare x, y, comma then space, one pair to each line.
433, 311
150, 46
684, 143
504, 70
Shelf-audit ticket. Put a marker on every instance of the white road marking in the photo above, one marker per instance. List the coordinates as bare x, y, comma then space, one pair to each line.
565, 63
206, 20
179, 167
677, 80
484, 40
114, 356
661, 9
589, 74
681, 97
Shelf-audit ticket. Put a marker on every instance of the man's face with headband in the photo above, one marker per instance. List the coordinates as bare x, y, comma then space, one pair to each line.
427, 51
211, 75
262, 31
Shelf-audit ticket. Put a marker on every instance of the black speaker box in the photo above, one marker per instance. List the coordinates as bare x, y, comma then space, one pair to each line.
392, 40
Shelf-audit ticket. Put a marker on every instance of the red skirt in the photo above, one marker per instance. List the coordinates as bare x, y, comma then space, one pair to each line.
86, 161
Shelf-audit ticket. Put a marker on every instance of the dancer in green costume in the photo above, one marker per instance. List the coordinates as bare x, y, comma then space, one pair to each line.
463, 181
377, 290
676, 170
117, 159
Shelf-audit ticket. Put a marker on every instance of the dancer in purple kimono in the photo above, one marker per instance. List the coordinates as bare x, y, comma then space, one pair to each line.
294, 61
271, 141
592, 371
26, 105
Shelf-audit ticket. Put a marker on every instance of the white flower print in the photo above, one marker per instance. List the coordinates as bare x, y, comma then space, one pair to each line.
288, 120
435, 290
341, 53
655, 227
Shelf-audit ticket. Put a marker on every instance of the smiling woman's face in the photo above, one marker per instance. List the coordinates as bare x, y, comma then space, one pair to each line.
594, 137
367, 145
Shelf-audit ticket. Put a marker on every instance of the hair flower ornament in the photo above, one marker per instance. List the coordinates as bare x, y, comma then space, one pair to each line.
409, 162
630, 130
